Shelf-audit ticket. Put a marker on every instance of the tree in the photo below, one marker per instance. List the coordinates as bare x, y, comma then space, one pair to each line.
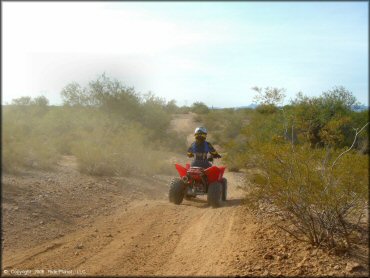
199, 107
106, 94
268, 99
74, 95
325, 120
22, 101
338, 98
269, 96
171, 106
40, 101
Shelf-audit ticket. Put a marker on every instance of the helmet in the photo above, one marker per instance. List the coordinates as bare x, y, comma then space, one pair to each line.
200, 132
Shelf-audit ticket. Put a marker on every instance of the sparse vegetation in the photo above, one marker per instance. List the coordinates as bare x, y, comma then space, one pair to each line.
312, 166
322, 204
110, 128
199, 108
292, 149
25, 143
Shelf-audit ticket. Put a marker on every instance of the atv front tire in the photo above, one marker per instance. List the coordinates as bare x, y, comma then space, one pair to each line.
214, 194
177, 191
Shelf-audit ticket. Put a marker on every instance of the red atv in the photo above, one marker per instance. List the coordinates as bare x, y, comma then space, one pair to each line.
195, 181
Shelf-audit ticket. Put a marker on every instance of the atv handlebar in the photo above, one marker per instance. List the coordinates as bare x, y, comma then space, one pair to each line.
210, 159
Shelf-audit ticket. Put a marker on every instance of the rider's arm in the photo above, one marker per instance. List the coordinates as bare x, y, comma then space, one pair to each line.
213, 152
190, 152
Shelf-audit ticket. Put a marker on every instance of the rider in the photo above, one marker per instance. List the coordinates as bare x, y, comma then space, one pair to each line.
200, 148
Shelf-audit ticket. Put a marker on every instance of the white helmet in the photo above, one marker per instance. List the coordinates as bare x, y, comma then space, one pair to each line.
200, 131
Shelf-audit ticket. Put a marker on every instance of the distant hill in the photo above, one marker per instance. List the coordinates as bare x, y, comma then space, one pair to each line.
359, 108
250, 106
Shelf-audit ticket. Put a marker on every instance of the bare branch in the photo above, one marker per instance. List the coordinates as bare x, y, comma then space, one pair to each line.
354, 141
291, 233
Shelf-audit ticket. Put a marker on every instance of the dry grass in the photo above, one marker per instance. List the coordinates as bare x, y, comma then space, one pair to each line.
104, 143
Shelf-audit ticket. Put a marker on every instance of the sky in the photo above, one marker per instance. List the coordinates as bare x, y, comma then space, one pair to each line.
213, 52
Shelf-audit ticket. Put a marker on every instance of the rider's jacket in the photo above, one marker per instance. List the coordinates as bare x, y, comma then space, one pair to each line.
200, 149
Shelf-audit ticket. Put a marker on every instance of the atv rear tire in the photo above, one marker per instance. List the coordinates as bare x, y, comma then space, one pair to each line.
177, 191
214, 194
224, 189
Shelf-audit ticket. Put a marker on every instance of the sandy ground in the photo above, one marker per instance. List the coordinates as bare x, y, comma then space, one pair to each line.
65, 223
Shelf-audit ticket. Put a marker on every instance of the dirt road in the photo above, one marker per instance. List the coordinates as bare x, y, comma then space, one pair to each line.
145, 237
65, 223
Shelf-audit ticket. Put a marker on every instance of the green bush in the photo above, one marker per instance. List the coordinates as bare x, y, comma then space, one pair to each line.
119, 101
107, 152
199, 108
225, 124
325, 120
155, 116
289, 153
319, 203
267, 109
110, 128
103, 144
24, 143
269, 96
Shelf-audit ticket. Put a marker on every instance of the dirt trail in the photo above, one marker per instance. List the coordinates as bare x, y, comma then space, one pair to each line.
185, 124
146, 237
126, 226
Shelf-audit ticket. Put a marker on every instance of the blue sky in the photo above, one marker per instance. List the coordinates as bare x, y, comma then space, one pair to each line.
209, 51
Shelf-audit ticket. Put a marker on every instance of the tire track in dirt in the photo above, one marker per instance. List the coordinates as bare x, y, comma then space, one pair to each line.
151, 237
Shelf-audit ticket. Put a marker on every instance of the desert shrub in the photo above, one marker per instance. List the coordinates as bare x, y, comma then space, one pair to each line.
235, 158
333, 132
291, 151
104, 144
155, 116
267, 109
259, 130
171, 107
268, 99
171, 141
24, 142
224, 124
184, 110
95, 122
106, 152
26, 152
325, 120
199, 108
108, 95
120, 101
357, 119
317, 203
269, 96
22, 101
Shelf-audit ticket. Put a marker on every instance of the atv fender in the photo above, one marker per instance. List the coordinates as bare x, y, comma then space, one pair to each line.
214, 173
